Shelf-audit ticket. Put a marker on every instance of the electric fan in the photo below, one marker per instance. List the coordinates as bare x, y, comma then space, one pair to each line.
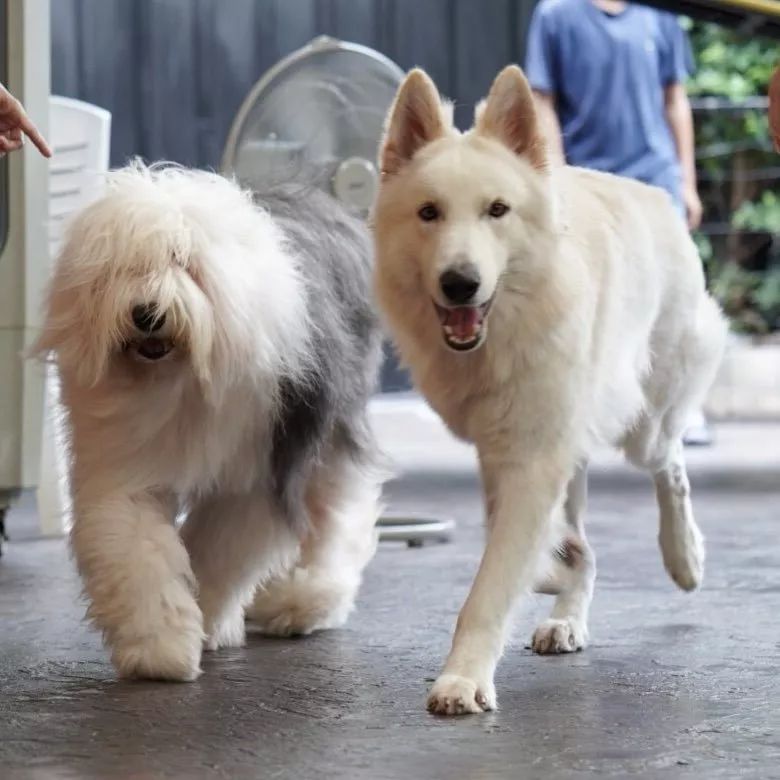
316, 117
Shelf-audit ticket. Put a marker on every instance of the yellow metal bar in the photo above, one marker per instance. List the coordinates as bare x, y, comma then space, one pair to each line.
767, 7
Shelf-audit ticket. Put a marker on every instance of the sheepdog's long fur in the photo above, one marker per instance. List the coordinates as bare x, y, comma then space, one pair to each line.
216, 352
541, 311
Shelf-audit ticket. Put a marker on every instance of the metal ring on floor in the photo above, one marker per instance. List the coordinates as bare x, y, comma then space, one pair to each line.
415, 530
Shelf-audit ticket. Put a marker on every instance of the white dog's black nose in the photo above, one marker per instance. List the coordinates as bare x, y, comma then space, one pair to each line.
459, 285
146, 318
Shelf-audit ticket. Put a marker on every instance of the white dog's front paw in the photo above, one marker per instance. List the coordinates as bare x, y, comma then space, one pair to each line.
559, 635
302, 602
455, 695
683, 554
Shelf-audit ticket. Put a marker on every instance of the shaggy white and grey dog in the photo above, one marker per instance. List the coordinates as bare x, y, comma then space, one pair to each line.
216, 353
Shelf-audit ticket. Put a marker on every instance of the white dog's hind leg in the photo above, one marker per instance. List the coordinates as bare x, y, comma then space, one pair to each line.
319, 592
681, 541
521, 532
566, 630
678, 384
655, 444
234, 542
140, 584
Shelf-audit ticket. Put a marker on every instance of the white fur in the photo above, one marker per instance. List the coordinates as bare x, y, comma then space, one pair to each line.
319, 591
191, 430
600, 330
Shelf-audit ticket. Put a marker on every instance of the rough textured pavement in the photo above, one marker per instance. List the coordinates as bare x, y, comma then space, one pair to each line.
673, 685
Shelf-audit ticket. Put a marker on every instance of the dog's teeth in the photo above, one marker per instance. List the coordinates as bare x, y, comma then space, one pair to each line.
456, 340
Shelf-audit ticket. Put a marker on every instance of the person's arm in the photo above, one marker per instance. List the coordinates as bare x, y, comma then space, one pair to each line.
14, 123
551, 127
676, 62
680, 119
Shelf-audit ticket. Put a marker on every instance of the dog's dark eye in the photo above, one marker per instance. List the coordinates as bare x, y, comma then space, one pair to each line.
498, 209
428, 212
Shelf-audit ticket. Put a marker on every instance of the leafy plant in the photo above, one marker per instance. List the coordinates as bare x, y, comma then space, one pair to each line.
749, 298
737, 169
727, 63
761, 214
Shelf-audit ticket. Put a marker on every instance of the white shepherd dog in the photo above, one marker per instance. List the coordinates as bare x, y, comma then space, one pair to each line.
540, 311
216, 353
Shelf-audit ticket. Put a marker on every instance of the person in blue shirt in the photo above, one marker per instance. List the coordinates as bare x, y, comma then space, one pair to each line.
608, 77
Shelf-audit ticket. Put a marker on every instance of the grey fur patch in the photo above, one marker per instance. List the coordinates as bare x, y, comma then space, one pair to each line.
570, 552
325, 413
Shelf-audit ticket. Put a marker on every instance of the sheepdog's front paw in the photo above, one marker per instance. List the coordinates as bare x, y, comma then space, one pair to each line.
455, 695
304, 601
158, 658
225, 630
559, 635
164, 646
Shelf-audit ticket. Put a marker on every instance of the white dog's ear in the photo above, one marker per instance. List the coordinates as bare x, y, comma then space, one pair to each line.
416, 118
509, 115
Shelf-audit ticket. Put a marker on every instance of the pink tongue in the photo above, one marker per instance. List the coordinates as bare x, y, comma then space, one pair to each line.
464, 321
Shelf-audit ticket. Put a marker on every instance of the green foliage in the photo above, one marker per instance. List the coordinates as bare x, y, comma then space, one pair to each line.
761, 214
728, 64
704, 247
749, 298
734, 156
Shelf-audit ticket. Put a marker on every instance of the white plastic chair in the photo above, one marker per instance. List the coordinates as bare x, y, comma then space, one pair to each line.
80, 135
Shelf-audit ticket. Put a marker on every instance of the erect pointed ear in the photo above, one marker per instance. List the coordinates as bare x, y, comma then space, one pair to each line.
416, 118
509, 115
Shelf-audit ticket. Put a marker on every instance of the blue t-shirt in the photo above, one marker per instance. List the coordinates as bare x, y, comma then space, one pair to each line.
607, 73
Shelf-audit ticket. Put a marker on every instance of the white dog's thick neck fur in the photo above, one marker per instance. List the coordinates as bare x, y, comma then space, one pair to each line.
253, 419
600, 330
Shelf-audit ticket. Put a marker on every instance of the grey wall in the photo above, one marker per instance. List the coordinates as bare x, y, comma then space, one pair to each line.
174, 72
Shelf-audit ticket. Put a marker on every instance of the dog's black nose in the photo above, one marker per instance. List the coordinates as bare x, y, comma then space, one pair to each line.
146, 318
459, 285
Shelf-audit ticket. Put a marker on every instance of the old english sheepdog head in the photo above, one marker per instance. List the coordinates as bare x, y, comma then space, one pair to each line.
216, 352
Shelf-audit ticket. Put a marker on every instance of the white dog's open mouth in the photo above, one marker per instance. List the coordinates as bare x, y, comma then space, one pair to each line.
150, 349
464, 327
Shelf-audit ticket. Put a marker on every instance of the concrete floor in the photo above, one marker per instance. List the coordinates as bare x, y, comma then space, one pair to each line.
673, 685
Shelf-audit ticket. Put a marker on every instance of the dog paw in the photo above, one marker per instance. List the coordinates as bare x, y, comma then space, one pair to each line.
558, 636
226, 631
161, 657
455, 695
683, 554
303, 602
161, 640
